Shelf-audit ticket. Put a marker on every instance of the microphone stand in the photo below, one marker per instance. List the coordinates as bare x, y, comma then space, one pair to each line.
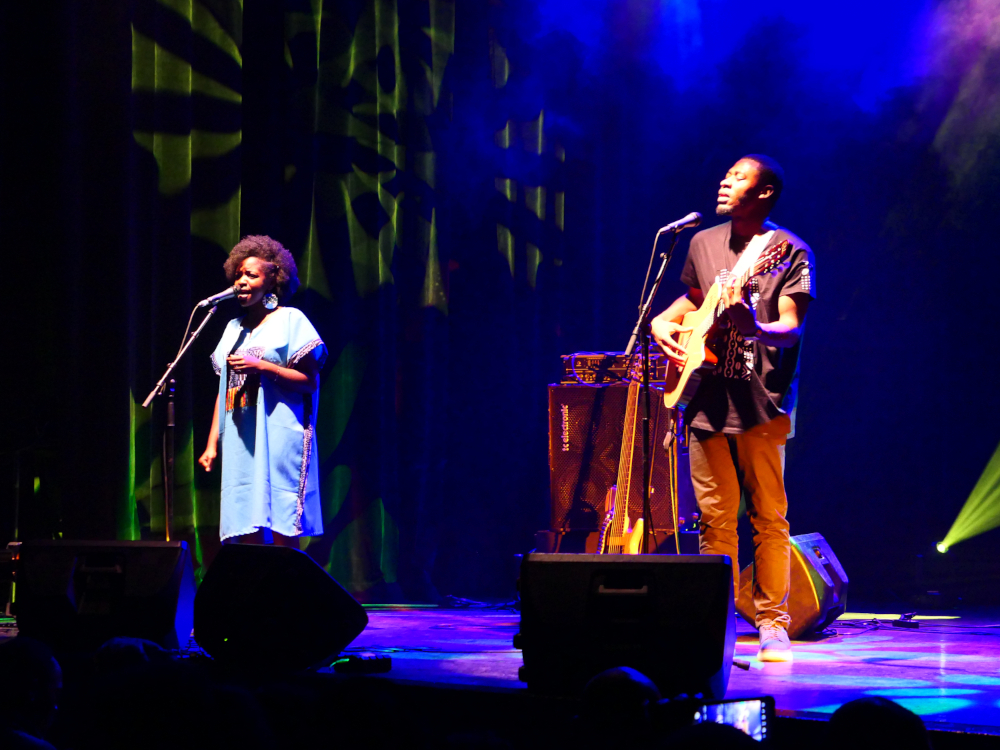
166, 384
641, 333
169, 480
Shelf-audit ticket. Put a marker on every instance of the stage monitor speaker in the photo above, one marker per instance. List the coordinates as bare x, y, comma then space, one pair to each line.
585, 438
274, 607
818, 593
671, 617
76, 595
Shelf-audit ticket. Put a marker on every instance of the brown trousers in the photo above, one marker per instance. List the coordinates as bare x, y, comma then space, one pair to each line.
754, 461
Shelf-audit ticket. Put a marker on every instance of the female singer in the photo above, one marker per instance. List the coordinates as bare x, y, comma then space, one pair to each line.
265, 413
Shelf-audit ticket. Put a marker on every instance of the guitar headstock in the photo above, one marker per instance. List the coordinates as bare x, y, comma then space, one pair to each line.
772, 257
635, 368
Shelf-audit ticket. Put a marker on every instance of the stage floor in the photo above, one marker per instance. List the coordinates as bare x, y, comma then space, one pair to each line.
947, 671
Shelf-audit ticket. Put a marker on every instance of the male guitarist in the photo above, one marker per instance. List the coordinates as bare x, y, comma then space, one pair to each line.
742, 411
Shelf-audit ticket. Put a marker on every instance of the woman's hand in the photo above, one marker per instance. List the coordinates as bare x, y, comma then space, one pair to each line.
302, 378
247, 363
208, 458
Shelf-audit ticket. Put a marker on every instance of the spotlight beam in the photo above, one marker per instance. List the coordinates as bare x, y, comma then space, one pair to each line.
981, 512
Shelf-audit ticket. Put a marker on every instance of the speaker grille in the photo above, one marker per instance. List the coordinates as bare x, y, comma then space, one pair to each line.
585, 439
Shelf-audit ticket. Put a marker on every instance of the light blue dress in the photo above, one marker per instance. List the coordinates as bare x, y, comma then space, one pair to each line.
270, 477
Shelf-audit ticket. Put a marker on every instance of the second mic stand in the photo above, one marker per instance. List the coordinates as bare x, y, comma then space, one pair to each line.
641, 333
166, 384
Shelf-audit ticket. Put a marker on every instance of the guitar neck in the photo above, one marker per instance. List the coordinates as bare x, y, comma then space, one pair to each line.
625, 459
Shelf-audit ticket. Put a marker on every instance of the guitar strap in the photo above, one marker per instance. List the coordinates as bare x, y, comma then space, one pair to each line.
753, 250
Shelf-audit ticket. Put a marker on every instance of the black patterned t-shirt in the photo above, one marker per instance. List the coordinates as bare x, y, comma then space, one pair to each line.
752, 383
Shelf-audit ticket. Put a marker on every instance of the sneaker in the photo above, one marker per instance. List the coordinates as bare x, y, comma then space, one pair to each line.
774, 645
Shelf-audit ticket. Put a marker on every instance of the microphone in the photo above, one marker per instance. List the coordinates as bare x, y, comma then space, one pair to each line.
693, 219
216, 298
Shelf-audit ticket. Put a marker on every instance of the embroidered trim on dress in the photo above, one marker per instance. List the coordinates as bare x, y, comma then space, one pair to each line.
215, 365
297, 357
300, 501
307, 441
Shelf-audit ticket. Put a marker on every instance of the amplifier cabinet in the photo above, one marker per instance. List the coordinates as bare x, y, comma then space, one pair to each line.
585, 439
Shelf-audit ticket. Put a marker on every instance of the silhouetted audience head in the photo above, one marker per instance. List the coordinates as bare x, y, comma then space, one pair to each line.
167, 706
123, 654
710, 735
482, 740
621, 690
32, 682
616, 698
877, 722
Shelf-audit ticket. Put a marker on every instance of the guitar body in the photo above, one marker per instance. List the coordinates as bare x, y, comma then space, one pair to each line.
626, 542
702, 323
632, 538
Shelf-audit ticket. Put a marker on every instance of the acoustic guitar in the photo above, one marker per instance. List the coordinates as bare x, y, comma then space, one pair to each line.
703, 323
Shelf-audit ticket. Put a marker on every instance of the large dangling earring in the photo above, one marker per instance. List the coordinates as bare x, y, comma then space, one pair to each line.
270, 301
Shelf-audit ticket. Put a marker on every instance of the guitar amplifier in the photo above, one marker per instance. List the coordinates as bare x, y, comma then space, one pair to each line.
585, 439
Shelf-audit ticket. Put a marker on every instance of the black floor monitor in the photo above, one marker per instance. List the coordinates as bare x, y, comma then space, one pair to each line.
671, 617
